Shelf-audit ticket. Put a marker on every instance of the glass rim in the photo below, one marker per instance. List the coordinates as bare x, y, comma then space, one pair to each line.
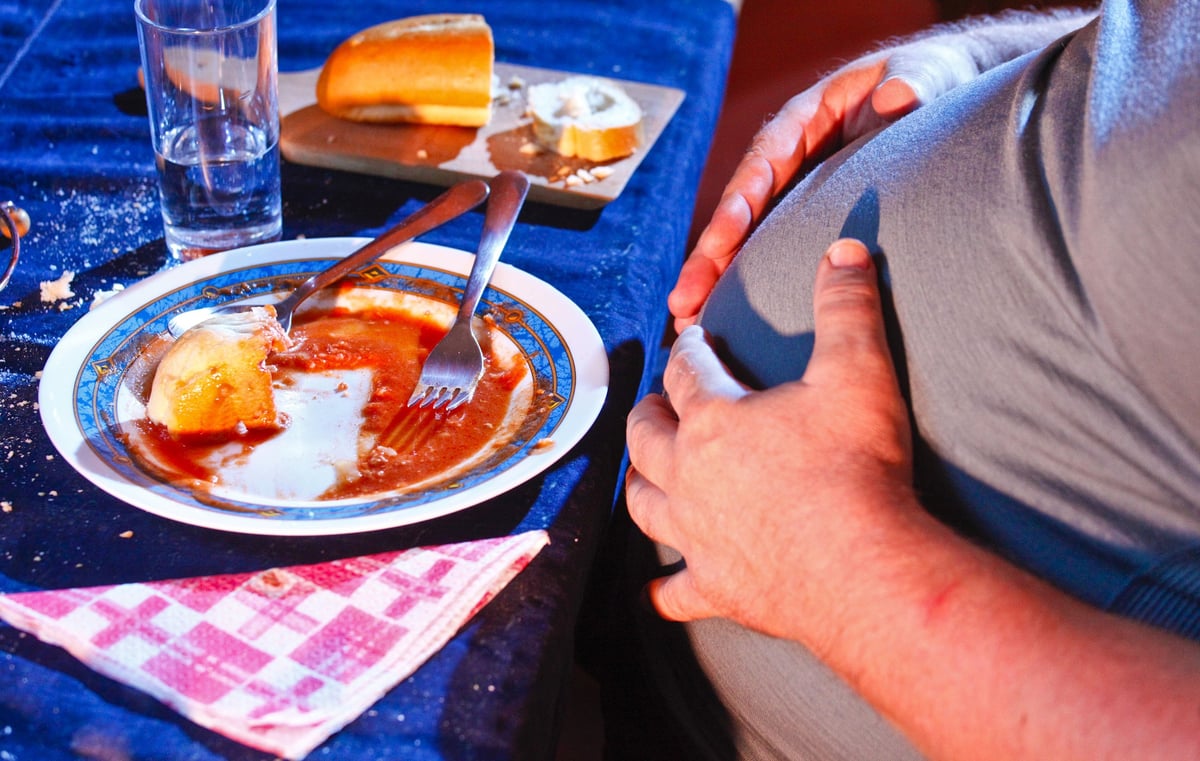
139, 8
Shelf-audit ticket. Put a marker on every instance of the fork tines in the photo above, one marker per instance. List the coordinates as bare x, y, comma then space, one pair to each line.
454, 366
437, 397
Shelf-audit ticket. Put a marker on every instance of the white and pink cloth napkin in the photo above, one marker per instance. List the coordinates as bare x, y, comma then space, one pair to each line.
280, 659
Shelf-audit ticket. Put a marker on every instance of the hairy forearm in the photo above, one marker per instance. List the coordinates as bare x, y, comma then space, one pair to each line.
993, 40
987, 41
947, 55
975, 659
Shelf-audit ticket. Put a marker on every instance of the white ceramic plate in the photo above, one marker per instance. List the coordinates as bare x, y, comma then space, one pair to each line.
84, 390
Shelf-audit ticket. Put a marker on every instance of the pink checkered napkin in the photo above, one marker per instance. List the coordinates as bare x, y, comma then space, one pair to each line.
278, 660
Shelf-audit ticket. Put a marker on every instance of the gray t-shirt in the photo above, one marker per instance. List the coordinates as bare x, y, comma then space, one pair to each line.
1038, 232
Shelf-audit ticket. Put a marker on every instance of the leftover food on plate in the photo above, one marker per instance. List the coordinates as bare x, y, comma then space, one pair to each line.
214, 381
322, 416
433, 69
332, 399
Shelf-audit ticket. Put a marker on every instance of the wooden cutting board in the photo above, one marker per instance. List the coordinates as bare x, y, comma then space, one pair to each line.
443, 155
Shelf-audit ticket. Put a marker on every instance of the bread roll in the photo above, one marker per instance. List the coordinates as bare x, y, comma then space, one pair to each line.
434, 69
214, 382
585, 117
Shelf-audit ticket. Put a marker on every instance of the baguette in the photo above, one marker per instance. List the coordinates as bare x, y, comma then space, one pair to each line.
434, 69
585, 117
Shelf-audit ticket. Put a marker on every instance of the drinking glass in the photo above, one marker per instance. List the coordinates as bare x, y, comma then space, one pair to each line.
210, 76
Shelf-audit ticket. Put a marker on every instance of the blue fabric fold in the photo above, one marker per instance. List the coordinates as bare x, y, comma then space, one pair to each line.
76, 155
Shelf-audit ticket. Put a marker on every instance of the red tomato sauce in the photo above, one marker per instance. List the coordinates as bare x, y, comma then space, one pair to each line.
411, 444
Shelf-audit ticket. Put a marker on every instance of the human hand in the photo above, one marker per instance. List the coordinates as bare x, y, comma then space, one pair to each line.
762, 492
862, 96
793, 511
809, 127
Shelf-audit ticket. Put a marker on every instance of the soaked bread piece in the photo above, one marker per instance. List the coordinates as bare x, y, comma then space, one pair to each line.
215, 381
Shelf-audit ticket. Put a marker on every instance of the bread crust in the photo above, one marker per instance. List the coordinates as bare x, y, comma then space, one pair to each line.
432, 69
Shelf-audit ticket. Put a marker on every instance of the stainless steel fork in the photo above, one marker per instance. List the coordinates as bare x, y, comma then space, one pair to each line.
453, 369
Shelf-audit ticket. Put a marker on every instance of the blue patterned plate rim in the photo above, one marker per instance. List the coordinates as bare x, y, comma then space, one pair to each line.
88, 366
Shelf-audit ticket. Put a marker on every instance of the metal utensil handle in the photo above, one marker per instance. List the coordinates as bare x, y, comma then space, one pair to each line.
8, 212
508, 194
458, 200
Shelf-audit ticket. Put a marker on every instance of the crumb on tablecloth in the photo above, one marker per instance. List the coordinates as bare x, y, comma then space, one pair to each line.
99, 297
58, 290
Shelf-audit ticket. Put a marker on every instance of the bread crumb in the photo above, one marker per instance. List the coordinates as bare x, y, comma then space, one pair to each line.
99, 297
529, 149
573, 181
516, 83
6, 506
543, 444
601, 172
57, 290
422, 154
126, 534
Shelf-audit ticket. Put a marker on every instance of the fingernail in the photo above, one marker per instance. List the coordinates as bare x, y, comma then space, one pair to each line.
849, 254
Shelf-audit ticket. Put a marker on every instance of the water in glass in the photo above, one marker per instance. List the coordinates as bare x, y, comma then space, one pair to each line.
220, 187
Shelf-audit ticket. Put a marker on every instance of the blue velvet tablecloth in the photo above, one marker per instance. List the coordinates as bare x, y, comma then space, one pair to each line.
75, 153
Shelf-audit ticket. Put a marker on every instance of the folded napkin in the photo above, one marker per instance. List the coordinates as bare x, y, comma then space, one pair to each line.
281, 659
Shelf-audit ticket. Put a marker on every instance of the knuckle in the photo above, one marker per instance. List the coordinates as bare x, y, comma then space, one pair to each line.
635, 490
850, 294
636, 430
637, 496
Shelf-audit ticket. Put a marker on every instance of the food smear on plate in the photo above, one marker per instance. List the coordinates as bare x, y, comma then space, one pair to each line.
341, 390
